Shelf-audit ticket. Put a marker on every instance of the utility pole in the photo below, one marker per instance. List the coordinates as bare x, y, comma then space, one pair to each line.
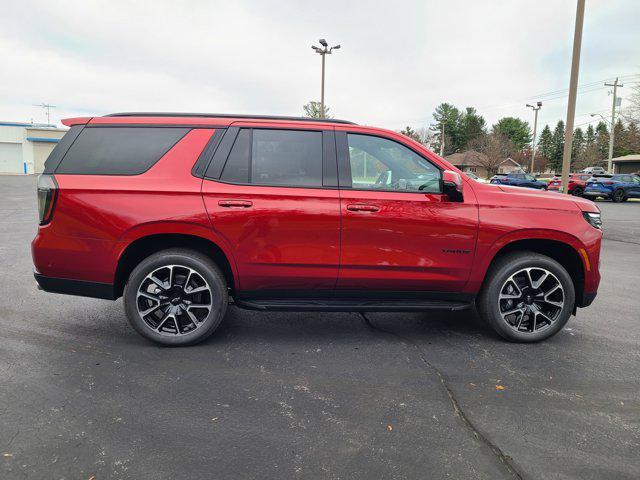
535, 127
615, 86
325, 50
573, 90
48, 108
442, 141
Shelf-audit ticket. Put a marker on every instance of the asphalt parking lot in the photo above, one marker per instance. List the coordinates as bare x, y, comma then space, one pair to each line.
315, 395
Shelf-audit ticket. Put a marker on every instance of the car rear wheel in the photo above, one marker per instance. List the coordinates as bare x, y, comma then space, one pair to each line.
577, 192
618, 196
176, 297
527, 297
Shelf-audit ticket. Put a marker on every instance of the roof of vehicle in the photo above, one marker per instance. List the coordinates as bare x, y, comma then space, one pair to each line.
188, 117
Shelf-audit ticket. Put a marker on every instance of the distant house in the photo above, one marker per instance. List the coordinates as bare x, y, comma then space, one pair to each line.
626, 164
474, 162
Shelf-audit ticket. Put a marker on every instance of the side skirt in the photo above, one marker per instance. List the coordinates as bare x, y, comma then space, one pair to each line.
339, 301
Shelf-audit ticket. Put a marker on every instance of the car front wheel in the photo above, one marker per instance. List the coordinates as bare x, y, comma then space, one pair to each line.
176, 297
577, 192
527, 297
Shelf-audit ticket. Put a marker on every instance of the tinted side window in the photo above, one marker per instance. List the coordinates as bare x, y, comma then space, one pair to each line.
286, 157
382, 164
118, 150
237, 167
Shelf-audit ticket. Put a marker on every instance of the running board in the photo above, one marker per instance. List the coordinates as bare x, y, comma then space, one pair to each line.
344, 305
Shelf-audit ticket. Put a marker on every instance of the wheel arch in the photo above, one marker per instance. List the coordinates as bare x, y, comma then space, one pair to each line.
566, 253
144, 246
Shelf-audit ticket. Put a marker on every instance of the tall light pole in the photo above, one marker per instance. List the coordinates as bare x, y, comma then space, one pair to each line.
615, 86
573, 91
535, 108
325, 50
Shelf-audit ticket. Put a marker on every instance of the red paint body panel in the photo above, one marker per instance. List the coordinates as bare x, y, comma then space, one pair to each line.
96, 216
289, 238
279, 238
412, 242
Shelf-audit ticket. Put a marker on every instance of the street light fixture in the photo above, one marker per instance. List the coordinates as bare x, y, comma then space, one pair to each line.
535, 108
326, 50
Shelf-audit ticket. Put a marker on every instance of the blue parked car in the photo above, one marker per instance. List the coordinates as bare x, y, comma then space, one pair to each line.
618, 187
518, 180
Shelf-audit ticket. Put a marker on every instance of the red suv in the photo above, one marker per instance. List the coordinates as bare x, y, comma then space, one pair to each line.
577, 183
178, 213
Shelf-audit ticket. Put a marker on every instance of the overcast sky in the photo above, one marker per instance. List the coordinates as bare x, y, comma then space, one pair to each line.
397, 62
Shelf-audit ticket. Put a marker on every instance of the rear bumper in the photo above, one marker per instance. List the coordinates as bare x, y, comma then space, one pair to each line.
596, 193
75, 287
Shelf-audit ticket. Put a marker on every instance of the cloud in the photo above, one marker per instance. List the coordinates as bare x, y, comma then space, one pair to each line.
396, 63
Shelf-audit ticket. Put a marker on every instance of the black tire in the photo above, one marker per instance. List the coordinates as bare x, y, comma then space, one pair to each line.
577, 192
498, 276
617, 196
189, 331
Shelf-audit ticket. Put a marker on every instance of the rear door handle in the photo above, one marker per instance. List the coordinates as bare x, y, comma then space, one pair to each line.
360, 207
235, 203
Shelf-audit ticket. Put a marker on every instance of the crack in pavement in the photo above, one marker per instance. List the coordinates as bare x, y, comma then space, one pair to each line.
505, 460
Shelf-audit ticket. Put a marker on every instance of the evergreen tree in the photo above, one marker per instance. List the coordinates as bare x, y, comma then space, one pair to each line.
619, 140
545, 142
577, 146
516, 130
471, 127
557, 147
602, 140
590, 137
449, 116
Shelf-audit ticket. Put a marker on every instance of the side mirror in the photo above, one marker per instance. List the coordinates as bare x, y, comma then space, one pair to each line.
452, 185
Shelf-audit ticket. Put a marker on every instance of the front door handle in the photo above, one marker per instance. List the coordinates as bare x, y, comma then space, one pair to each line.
235, 203
360, 207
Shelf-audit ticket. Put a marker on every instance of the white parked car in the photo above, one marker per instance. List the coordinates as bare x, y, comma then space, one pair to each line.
473, 176
594, 170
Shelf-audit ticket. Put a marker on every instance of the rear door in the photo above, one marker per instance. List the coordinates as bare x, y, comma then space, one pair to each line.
399, 232
271, 193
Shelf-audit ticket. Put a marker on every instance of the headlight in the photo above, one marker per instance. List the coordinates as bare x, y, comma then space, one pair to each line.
594, 219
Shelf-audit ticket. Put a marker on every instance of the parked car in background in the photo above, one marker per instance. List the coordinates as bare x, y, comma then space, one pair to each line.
594, 170
179, 212
617, 187
518, 180
577, 183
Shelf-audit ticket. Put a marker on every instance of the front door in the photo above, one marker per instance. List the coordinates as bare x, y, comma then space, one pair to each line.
271, 195
399, 231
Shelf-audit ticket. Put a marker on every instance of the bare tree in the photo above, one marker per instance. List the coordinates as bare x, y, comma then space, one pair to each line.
494, 149
632, 112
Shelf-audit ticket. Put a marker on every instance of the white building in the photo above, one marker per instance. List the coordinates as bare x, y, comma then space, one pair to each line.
25, 146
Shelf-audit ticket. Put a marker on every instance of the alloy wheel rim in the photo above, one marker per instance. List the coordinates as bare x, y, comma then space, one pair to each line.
531, 300
174, 300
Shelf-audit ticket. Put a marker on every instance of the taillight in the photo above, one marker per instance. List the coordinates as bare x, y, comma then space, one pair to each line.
47, 193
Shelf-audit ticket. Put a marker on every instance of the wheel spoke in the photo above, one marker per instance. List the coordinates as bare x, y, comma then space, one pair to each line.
158, 282
163, 321
149, 296
150, 310
198, 305
196, 290
541, 280
193, 318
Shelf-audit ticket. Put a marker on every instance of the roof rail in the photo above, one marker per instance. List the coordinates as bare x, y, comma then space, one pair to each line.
227, 115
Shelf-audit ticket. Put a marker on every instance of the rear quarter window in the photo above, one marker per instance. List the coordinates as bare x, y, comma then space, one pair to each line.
118, 150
